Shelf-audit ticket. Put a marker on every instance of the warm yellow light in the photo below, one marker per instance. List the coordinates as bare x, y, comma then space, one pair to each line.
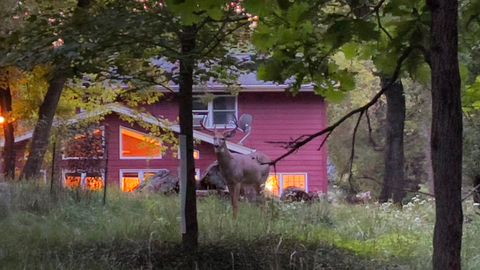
2, 119
130, 184
269, 186
272, 185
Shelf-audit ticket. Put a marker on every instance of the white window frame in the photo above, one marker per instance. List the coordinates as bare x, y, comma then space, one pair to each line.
120, 148
74, 158
280, 177
209, 112
141, 174
198, 176
83, 177
195, 150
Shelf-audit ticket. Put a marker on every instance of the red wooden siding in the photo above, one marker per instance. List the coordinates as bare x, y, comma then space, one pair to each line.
277, 116
280, 117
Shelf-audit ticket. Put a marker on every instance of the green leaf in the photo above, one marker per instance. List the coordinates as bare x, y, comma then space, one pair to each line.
296, 12
349, 50
386, 63
215, 13
464, 73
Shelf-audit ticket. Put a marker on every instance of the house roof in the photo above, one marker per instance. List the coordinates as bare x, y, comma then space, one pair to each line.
248, 81
124, 110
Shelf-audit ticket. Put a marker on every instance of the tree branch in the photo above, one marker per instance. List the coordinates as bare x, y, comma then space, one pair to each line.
218, 40
300, 143
379, 22
352, 154
475, 189
370, 130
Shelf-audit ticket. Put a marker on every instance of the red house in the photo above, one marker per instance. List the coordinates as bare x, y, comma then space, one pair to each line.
133, 156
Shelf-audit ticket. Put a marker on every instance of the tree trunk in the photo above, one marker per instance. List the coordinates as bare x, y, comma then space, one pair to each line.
394, 179
46, 112
9, 153
41, 133
446, 135
476, 194
187, 63
428, 158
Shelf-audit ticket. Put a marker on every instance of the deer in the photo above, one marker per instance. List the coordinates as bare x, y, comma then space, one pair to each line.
239, 169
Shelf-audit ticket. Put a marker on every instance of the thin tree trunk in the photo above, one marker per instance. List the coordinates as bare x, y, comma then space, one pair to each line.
41, 133
187, 62
9, 153
446, 135
394, 179
476, 194
428, 158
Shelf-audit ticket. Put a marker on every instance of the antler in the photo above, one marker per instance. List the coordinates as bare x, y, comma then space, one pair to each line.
231, 132
202, 124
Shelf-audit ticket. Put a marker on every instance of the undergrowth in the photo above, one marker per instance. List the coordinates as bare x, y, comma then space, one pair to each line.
73, 230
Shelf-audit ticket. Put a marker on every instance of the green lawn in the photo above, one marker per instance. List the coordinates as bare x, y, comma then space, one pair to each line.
74, 231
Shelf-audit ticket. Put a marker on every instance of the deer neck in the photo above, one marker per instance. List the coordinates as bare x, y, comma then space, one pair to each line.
224, 157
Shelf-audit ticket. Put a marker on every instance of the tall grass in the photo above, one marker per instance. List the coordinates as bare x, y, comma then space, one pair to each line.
71, 230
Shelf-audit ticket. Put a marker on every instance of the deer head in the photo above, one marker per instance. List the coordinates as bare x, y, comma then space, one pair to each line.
220, 138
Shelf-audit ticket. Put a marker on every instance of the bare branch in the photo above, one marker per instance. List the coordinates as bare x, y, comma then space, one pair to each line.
325, 140
379, 22
370, 130
217, 40
303, 142
475, 189
352, 153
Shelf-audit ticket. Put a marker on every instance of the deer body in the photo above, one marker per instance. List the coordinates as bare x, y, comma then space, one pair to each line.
239, 169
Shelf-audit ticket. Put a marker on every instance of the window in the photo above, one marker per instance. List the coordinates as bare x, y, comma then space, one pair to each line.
130, 180
89, 145
197, 174
276, 184
138, 145
196, 154
220, 111
94, 182
273, 184
88, 181
73, 180
294, 180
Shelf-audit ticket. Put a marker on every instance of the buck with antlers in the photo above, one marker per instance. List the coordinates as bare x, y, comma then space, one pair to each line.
239, 169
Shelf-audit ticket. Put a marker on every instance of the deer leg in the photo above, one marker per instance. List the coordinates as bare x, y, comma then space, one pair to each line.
258, 193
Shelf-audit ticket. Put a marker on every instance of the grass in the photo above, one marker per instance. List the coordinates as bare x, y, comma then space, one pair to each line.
75, 231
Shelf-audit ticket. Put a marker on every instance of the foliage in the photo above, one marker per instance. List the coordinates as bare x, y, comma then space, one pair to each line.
368, 175
135, 231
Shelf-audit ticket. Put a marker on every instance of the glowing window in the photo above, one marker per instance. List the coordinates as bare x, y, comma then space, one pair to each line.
93, 182
272, 184
73, 180
134, 144
130, 181
89, 181
294, 180
276, 184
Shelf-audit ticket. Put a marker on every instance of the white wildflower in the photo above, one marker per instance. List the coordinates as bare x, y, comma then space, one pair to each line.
58, 43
